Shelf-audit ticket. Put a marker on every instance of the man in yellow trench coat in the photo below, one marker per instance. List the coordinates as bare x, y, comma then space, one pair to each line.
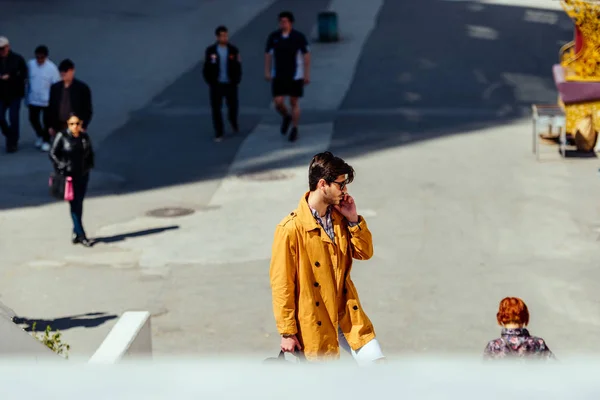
315, 302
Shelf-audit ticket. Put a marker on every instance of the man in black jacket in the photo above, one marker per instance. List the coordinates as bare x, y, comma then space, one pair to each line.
69, 96
223, 73
13, 75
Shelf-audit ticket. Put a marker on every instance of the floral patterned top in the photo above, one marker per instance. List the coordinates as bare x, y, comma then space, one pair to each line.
517, 343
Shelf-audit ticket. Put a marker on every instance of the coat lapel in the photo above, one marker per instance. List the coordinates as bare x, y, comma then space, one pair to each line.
308, 219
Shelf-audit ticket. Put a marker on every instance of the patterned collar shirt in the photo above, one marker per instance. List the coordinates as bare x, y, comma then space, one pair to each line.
326, 222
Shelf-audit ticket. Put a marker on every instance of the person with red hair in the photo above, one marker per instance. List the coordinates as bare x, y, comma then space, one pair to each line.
515, 340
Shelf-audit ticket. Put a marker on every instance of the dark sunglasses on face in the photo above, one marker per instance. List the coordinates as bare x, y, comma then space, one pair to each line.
342, 185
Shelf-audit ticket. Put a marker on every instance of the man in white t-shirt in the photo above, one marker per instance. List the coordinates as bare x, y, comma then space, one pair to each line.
42, 74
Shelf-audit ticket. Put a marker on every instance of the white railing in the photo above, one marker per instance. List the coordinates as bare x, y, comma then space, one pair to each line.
131, 337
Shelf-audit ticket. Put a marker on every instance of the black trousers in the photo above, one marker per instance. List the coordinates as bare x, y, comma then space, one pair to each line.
230, 93
37, 113
10, 129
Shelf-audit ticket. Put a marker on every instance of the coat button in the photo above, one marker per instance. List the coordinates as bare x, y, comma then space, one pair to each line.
317, 264
317, 303
292, 214
355, 307
316, 284
319, 323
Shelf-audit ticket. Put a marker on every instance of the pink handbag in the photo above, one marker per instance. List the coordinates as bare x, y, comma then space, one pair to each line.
69, 194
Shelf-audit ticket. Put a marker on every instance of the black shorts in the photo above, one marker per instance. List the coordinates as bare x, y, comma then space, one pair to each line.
287, 87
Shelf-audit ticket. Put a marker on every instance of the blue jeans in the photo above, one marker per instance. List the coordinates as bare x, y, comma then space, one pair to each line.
10, 131
80, 184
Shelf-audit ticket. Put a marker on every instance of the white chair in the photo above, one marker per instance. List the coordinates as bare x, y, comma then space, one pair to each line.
551, 116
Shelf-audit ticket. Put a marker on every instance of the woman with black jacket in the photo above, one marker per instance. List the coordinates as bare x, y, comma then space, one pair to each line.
72, 155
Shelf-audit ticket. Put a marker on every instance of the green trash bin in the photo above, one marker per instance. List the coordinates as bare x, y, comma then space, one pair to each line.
328, 26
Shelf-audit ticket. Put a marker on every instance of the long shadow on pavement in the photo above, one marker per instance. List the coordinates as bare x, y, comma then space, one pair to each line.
89, 320
124, 236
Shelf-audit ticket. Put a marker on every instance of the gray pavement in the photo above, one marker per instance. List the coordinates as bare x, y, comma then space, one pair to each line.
461, 213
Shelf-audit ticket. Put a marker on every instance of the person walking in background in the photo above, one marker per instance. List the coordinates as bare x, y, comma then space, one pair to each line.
43, 73
68, 96
73, 156
515, 340
222, 72
13, 75
287, 67
315, 302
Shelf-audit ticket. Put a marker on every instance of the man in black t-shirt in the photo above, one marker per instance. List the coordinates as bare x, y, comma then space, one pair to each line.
287, 67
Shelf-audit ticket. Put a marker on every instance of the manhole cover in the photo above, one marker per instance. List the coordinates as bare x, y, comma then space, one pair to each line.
265, 176
169, 212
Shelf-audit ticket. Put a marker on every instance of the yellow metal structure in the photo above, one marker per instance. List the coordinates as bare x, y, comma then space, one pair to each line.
580, 62
583, 66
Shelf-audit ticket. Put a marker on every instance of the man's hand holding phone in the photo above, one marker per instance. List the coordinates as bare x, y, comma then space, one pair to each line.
347, 208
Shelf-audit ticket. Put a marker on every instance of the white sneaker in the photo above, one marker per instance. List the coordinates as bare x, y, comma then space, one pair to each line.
39, 142
45, 147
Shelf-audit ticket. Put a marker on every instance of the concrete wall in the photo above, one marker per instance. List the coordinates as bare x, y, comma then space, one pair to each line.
246, 378
130, 338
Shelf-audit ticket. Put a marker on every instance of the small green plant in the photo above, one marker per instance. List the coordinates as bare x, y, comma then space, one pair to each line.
51, 340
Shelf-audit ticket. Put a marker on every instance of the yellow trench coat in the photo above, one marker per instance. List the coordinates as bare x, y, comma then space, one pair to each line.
312, 290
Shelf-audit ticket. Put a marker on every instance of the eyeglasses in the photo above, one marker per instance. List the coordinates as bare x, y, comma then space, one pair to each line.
342, 185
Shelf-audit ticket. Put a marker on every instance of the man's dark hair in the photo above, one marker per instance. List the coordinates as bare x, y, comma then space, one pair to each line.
288, 15
329, 167
41, 50
220, 28
66, 65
